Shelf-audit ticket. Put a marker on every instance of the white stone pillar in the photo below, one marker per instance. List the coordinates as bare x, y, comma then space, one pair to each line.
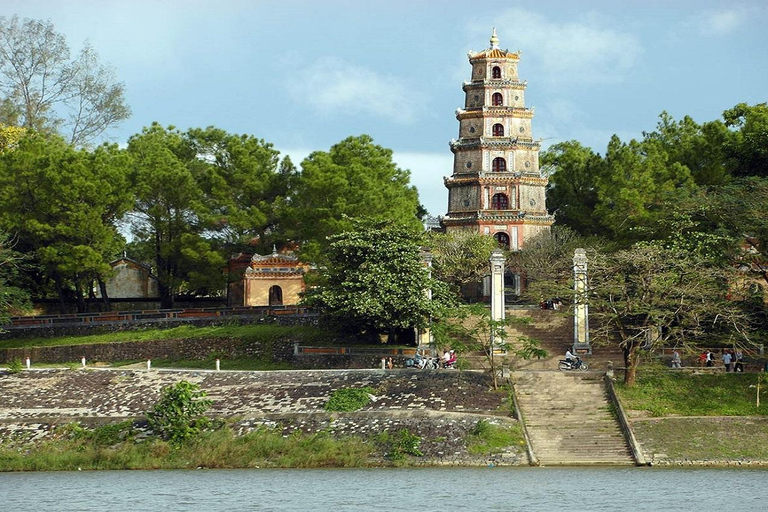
497, 290
580, 304
425, 335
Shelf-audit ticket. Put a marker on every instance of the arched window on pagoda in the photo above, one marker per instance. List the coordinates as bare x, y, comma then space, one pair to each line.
502, 239
496, 72
499, 202
498, 130
496, 99
499, 165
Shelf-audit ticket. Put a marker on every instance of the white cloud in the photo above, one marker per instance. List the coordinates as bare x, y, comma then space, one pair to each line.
333, 85
588, 48
427, 171
719, 22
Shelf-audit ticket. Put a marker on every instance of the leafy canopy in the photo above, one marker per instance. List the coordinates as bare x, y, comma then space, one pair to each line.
43, 89
375, 281
356, 179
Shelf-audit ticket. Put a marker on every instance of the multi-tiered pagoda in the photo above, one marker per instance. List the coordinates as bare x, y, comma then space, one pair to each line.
496, 187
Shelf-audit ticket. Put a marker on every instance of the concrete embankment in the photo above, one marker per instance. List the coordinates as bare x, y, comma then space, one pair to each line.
441, 407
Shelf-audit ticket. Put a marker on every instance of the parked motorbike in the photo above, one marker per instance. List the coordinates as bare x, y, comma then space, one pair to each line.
564, 365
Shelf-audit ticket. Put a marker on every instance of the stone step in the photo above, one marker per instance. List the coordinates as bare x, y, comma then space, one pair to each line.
569, 419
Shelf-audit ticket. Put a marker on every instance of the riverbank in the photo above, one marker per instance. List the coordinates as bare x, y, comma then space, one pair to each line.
690, 419
703, 441
277, 419
452, 417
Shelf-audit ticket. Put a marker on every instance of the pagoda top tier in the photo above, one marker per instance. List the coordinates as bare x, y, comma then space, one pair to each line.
494, 52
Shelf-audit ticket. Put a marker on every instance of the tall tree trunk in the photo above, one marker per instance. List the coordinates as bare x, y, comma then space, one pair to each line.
60, 293
93, 302
630, 363
166, 295
104, 294
80, 297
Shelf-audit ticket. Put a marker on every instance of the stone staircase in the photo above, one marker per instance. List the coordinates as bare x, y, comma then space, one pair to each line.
569, 419
555, 332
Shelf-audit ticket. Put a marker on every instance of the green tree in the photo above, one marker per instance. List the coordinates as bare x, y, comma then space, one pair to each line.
470, 328
700, 148
747, 150
63, 206
648, 296
13, 300
375, 282
572, 190
548, 257
243, 183
169, 214
44, 90
355, 179
460, 257
637, 188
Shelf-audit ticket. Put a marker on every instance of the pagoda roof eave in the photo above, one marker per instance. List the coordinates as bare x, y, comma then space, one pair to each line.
493, 53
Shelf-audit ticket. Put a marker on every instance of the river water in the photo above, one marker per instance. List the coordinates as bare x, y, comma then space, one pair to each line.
338, 490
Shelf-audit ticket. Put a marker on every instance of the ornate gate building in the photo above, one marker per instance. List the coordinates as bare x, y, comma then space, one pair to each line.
496, 187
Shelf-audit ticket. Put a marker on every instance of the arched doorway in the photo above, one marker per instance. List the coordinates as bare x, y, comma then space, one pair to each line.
275, 296
502, 239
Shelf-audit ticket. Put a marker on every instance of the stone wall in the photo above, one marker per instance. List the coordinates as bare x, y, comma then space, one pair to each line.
86, 329
195, 349
281, 351
441, 407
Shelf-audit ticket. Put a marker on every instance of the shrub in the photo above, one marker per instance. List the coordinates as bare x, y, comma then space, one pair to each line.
349, 399
178, 415
104, 435
405, 443
15, 366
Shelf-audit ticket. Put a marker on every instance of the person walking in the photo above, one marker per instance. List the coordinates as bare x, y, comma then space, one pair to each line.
727, 360
739, 362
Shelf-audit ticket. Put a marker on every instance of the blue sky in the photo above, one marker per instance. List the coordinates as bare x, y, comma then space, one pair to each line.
304, 75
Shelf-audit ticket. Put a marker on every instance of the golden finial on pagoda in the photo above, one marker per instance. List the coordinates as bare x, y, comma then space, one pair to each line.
494, 40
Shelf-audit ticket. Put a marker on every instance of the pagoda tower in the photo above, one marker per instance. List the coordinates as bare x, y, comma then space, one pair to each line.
496, 187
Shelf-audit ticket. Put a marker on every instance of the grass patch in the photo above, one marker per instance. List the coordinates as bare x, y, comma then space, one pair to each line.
114, 447
487, 438
674, 393
349, 399
717, 439
248, 333
400, 445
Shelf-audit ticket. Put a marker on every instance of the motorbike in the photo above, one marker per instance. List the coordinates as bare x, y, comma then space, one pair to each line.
423, 363
564, 365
